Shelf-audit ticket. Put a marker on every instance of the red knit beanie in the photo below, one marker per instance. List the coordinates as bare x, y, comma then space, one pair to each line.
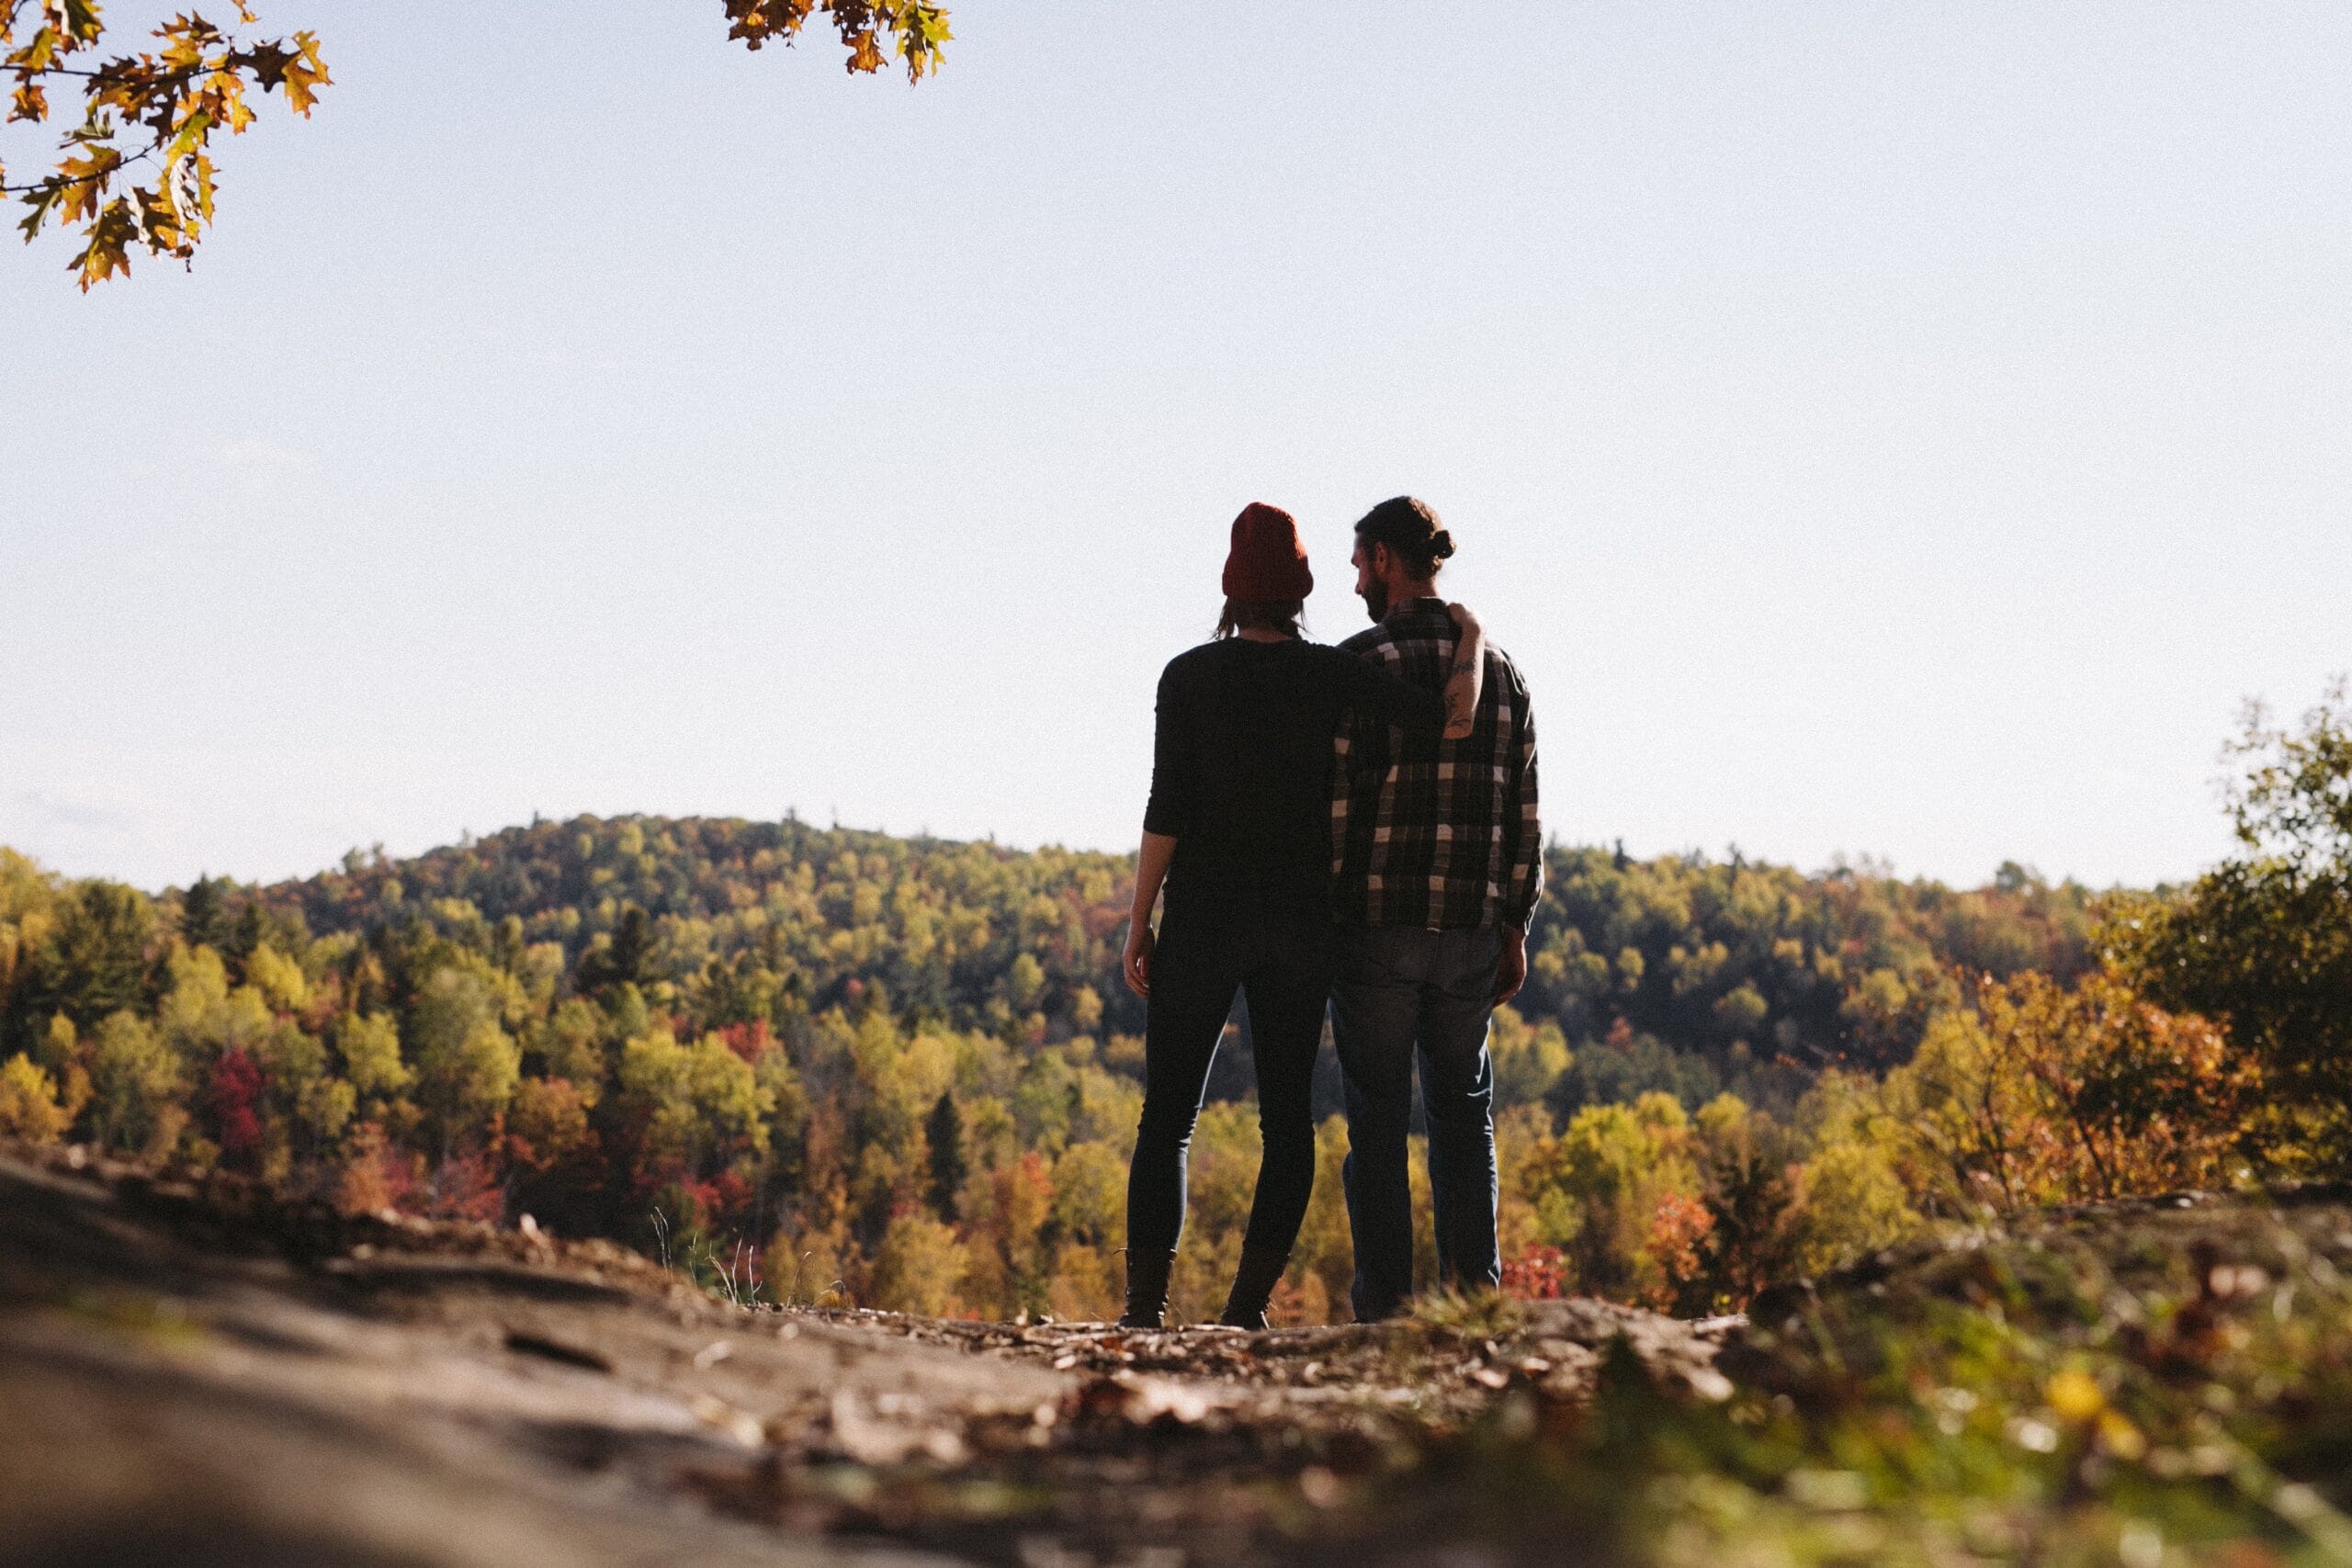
1268, 565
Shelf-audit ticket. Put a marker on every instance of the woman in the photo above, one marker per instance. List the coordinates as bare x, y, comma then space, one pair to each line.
1239, 829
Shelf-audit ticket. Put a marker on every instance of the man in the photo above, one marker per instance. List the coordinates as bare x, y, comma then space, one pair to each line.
1437, 864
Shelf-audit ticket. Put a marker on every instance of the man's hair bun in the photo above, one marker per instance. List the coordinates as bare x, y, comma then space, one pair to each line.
1407, 527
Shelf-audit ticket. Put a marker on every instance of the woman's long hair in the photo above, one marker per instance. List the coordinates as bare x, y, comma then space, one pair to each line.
1287, 616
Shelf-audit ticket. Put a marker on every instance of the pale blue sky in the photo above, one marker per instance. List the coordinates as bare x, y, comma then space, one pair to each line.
1904, 430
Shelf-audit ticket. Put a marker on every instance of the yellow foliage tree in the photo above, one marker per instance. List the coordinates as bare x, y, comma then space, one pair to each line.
701, 1106
1616, 1193
279, 978
370, 1044
28, 1107
2050, 1094
918, 1267
1851, 1197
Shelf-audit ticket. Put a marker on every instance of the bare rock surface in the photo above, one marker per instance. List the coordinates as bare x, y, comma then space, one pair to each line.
196, 1374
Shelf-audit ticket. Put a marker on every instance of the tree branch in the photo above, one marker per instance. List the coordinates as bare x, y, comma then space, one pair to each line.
58, 182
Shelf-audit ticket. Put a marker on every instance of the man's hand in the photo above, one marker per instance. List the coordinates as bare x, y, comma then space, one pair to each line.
1467, 680
1511, 974
1136, 964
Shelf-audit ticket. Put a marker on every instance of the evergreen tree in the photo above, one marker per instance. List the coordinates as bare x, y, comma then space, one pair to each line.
944, 1130
93, 963
204, 912
626, 960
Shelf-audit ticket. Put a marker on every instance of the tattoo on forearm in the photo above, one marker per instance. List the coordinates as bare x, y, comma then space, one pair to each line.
1458, 705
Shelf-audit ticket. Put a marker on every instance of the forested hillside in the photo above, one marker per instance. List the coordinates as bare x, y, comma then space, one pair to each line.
1732, 964
903, 1072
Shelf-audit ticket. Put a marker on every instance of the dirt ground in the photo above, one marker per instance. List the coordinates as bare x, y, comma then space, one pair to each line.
201, 1376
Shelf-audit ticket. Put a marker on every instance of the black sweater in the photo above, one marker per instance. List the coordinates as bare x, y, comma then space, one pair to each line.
1242, 763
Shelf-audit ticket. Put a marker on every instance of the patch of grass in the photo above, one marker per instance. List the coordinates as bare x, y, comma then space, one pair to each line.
1470, 1315
2152, 1395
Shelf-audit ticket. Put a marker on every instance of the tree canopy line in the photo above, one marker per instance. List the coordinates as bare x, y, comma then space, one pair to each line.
828, 1063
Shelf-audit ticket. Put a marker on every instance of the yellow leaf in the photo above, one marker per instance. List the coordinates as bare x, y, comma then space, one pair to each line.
85, 176
109, 250
40, 54
2118, 1436
2075, 1396
306, 74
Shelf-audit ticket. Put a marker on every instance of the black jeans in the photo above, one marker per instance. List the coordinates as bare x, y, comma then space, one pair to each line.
1404, 993
1282, 962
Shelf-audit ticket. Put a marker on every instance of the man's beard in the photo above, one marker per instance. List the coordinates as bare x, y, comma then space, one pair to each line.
1375, 600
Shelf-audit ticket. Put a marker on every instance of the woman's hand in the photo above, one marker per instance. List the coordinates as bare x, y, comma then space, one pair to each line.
1158, 852
1136, 964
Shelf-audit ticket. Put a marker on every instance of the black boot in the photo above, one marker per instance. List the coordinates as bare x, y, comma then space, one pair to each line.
1146, 1288
1253, 1286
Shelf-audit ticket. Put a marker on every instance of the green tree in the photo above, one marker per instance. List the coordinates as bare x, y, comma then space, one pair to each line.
201, 1015
1610, 1190
571, 1046
700, 1106
204, 911
1852, 1199
626, 960
2264, 940
943, 1131
467, 1067
93, 960
136, 1080
1026, 981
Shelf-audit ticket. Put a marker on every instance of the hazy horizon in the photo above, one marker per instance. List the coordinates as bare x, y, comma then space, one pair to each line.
1863, 863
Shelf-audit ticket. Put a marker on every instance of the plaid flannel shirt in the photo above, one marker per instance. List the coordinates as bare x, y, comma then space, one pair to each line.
1430, 832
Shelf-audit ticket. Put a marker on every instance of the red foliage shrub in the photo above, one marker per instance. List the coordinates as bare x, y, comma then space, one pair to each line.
376, 1175
1537, 1274
236, 1100
750, 1040
727, 1196
1678, 1225
465, 1186
688, 1205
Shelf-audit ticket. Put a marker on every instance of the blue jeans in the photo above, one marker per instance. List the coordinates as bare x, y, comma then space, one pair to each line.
1404, 992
